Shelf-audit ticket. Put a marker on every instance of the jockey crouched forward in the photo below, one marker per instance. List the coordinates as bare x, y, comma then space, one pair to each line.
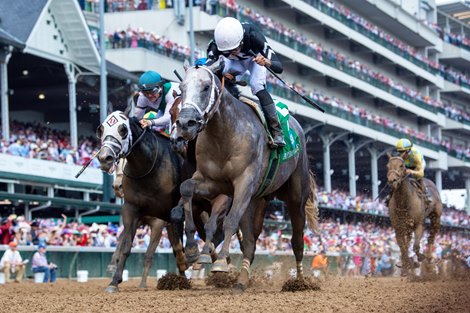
237, 43
415, 165
156, 95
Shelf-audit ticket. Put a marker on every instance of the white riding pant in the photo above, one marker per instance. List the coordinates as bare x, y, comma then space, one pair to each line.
239, 67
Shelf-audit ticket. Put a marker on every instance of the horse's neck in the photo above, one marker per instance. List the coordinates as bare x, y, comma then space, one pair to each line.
143, 152
404, 190
228, 119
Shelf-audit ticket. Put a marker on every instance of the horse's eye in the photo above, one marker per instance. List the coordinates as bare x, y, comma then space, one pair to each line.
206, 88
191, 123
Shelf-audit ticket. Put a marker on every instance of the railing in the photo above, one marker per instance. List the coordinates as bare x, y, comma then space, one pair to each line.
283, 92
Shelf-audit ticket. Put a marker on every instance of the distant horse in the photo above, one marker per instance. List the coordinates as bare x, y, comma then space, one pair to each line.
232, 156
151, 181
408, 211
156, 227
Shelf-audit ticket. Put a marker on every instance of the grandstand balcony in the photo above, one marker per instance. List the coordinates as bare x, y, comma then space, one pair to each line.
455, 56
314, 13
391, 16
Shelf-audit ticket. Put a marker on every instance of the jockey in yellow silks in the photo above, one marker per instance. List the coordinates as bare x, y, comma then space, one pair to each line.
414, 163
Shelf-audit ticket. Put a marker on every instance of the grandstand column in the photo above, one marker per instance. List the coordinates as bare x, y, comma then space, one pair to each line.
467, 187
351, 166
5, 55
326, 163
374, 172
439, 180
70, 71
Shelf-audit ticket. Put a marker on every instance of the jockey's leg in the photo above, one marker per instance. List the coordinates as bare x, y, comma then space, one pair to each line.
270, 113
426, 193
258, 88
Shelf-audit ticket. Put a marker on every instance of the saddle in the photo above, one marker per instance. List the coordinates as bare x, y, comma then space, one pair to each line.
257, 108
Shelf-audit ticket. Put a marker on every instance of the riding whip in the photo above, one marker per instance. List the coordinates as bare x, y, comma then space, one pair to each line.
87, 163
309, 101
178, 75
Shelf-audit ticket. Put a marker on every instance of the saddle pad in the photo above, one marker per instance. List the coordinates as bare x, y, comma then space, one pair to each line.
292, 147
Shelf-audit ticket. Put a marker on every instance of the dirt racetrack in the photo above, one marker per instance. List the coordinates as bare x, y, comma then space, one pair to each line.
336, 295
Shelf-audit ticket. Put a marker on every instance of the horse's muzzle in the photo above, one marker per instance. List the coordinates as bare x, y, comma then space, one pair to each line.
107, 161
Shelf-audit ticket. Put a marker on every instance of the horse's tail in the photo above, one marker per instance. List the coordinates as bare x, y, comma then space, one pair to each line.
311, 207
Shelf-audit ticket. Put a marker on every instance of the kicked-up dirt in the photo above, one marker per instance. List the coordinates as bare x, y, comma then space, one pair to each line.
335, 295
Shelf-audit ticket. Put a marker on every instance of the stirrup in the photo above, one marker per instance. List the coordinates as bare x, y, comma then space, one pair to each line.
279, 141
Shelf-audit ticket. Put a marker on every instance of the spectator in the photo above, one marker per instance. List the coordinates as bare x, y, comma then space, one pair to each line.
40, 265
386, 265
320, 264
12, 263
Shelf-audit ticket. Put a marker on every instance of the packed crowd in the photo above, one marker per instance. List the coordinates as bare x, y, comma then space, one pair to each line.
335, 105
138, 38
355, 247
36, 141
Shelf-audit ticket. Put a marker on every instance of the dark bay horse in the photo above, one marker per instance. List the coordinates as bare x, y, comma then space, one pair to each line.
408, 211
156, 226
151, 181
232, 156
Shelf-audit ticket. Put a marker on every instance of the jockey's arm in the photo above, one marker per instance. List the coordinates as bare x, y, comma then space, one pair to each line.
418, 171
260, 45
140, 107
170, 97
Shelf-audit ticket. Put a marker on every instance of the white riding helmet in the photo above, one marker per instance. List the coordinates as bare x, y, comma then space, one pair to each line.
228, 34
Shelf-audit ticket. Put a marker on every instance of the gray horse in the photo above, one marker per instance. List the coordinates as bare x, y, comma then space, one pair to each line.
232, 156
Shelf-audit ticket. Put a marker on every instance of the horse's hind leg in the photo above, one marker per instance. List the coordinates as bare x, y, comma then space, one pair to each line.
434, 229
131, 222
220, 206
156, 226
177, 245
417, 242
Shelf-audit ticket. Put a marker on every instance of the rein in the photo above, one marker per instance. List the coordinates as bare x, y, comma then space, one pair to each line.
129, 152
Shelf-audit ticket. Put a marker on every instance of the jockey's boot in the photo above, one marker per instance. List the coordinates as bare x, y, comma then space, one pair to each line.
387, 199
270, 113
427, 195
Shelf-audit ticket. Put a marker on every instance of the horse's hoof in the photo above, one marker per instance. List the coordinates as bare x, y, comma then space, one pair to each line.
111, 289
204, 259
421, 257
177, 214
220, 266
415, 265
238, 289
191, 254
143, 286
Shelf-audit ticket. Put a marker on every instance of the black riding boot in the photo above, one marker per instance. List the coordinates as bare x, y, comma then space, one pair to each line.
270, 113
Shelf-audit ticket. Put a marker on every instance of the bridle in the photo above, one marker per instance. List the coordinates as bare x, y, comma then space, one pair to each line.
124, 154
401, 176
213, 102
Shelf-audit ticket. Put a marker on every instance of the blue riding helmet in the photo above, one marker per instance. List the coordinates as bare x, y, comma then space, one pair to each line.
200, 62
150, 81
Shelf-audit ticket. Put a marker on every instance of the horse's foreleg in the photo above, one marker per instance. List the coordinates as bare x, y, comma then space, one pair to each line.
156, 226
113, 263
177, 245
187, 192
131, 222
242, 196
220, 206
405, 260
417, 243
248, 225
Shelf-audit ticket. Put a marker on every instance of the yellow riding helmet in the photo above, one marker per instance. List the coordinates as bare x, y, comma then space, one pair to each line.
404, 145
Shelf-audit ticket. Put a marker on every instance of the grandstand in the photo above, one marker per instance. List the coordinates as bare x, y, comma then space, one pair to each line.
401, 74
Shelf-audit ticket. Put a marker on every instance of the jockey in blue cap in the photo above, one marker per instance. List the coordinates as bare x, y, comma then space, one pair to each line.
156, 95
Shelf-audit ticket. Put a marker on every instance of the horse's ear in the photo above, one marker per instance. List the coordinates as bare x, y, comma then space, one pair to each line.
186, 65
389, 155
122, 130
218, 66
127, 111
99, 131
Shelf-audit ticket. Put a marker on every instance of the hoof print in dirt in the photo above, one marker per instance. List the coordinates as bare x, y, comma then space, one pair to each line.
222, 280
172, 281
305, 284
